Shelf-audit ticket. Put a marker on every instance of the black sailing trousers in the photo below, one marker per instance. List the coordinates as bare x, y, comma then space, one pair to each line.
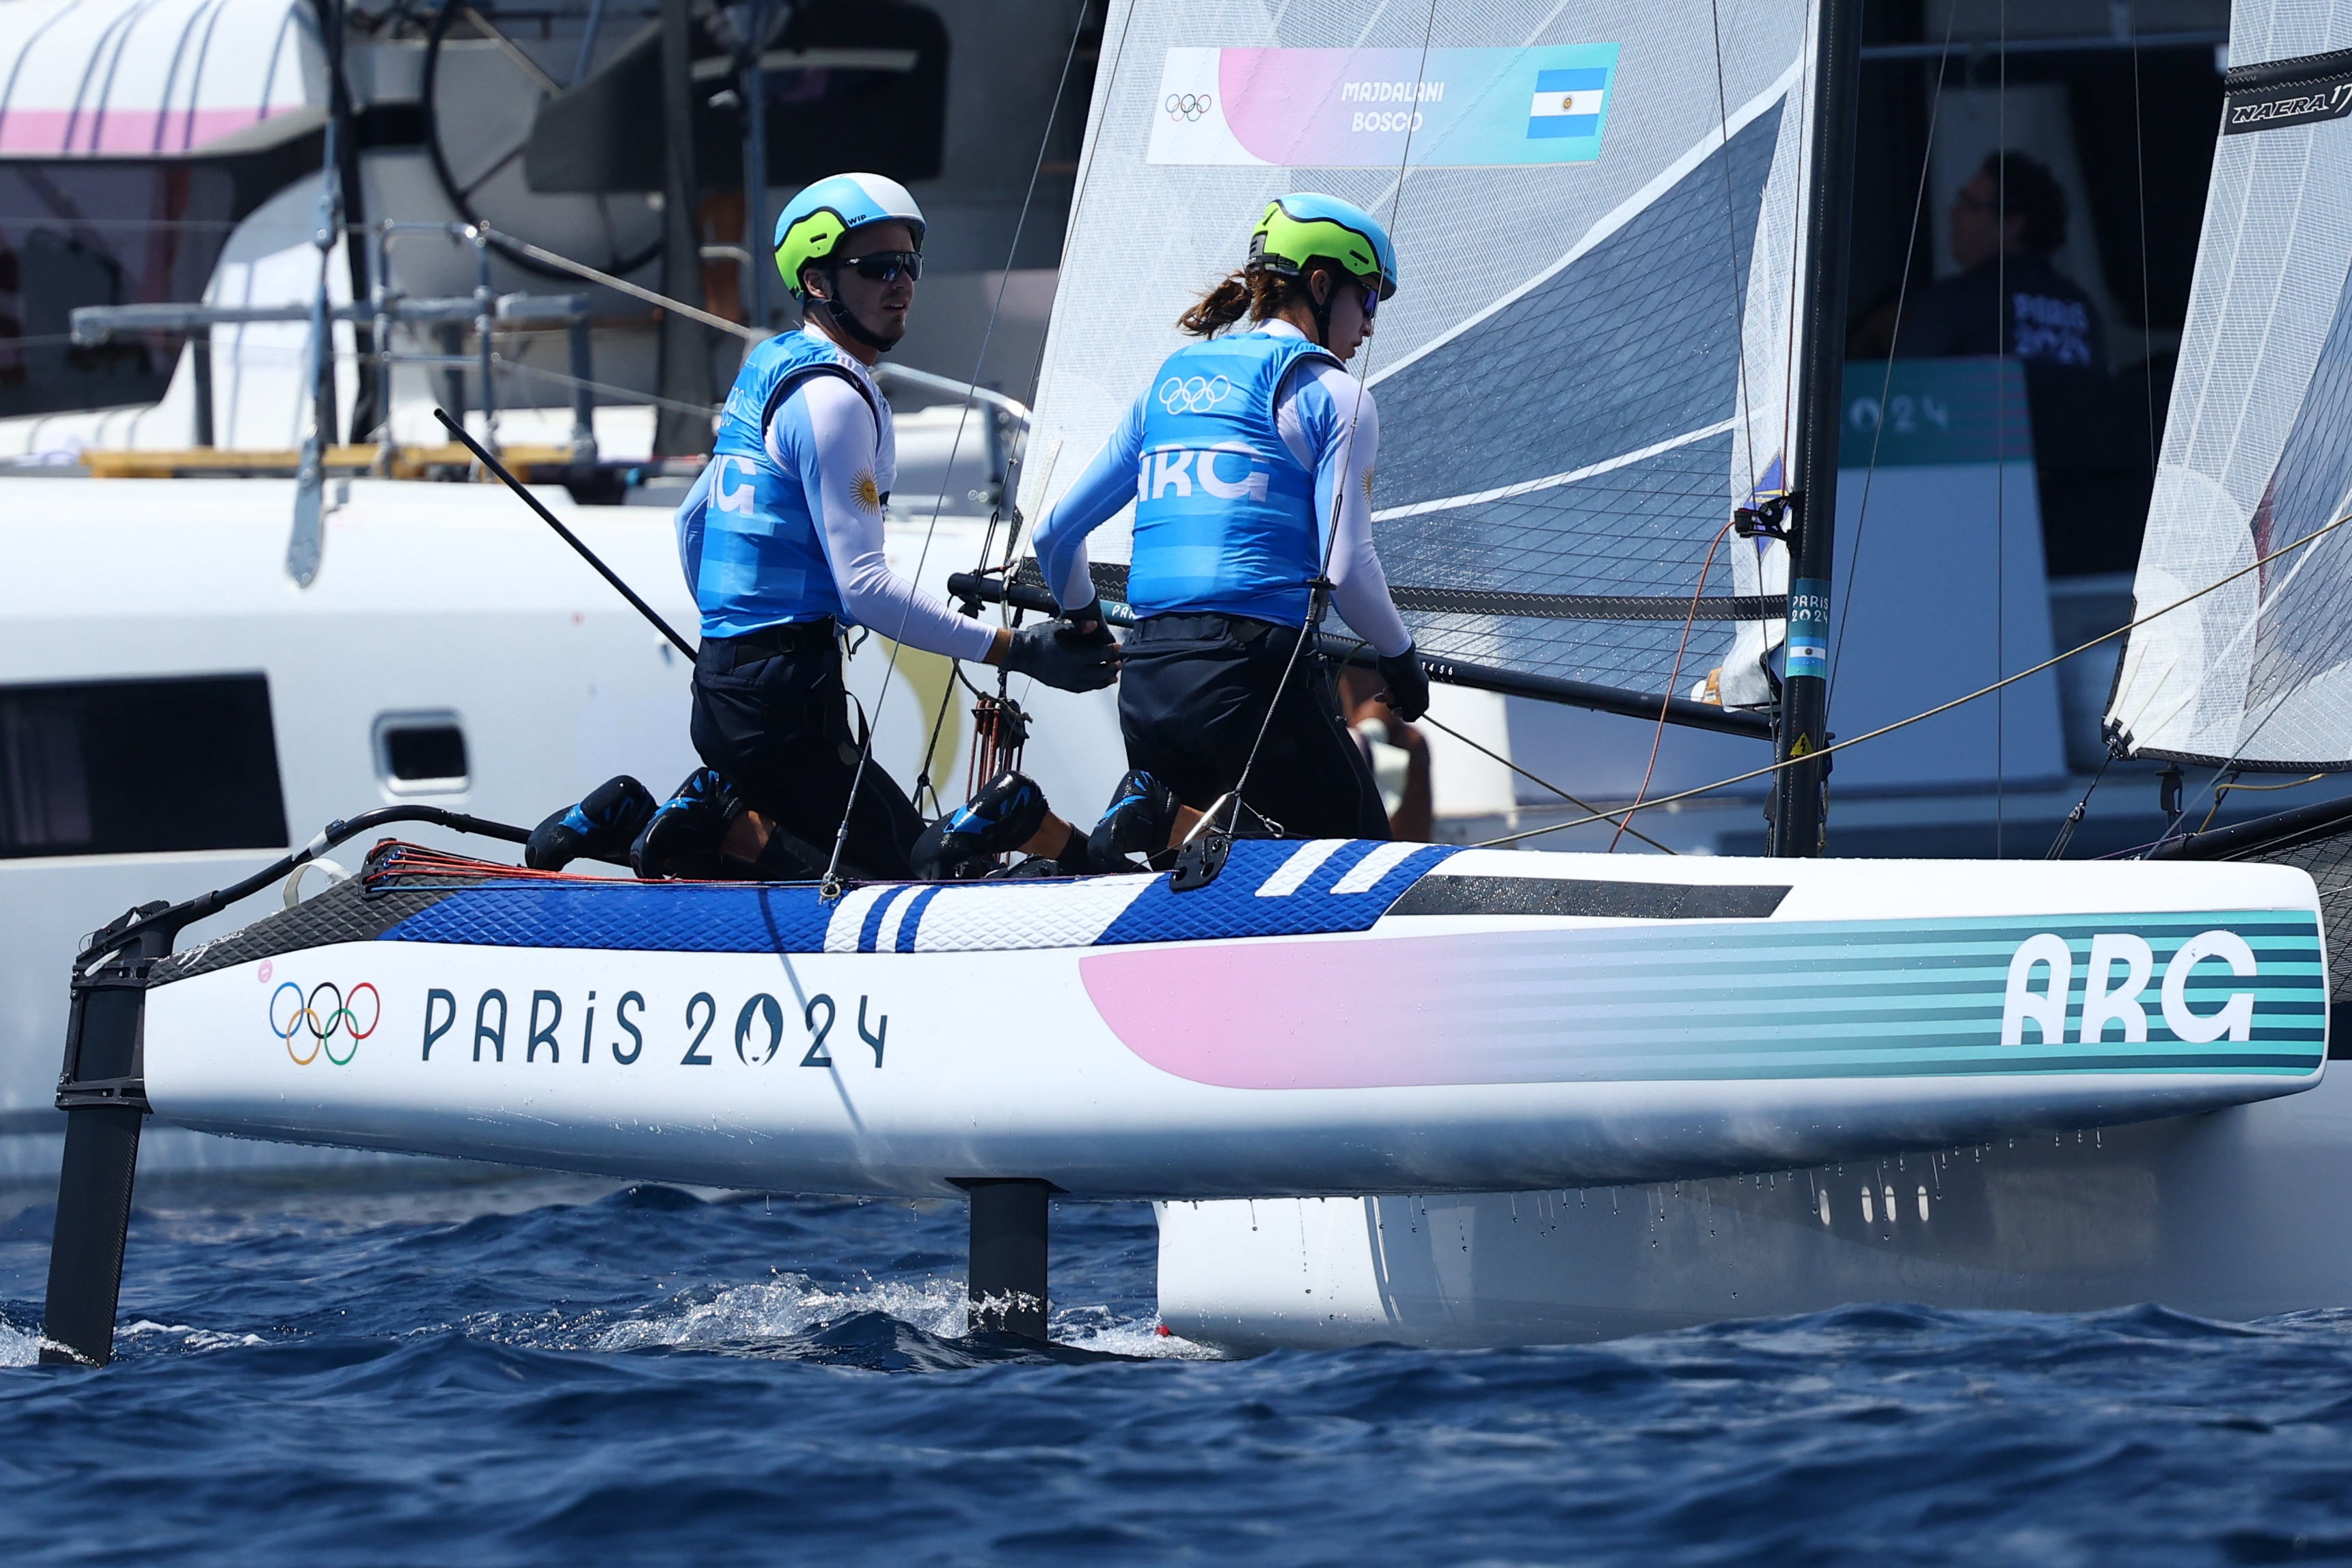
1192, 691
771, 715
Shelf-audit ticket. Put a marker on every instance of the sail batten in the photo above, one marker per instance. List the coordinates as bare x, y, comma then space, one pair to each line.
1588, 365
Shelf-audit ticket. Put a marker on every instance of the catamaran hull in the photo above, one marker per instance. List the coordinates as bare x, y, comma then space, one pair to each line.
1327, 1019
2233, 1215
709, 1069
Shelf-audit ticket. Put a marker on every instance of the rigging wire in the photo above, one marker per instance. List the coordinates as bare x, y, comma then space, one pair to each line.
1886, 381
2004, 335
831, 881
582, 269
1769, 769
2147, 309
1738, 300
1624, 823
2082, 809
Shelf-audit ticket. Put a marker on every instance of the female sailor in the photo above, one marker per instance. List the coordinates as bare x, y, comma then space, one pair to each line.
1249, 460
782, 542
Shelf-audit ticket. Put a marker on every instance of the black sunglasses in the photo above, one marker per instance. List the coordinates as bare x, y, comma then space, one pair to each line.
885, 265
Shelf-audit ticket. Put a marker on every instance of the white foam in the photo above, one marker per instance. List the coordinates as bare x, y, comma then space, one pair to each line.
790, 1305
795, 1304
191, 1338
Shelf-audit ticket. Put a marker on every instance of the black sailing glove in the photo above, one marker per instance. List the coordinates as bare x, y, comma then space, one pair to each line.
1059, 654
1408, 693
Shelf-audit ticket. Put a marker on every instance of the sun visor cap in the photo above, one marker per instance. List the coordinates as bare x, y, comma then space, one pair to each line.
810, 228
1299, 227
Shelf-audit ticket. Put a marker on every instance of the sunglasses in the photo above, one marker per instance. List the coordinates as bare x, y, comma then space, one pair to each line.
885, 265
1371, 300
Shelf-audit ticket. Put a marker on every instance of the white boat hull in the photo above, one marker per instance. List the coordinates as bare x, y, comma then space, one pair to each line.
1328, 1019
2233, 1215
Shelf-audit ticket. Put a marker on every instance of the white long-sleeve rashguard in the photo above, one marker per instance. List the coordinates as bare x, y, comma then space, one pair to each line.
1329, 422
828, 432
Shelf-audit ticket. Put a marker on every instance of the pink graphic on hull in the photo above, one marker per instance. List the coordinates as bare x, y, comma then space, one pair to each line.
1292, 1014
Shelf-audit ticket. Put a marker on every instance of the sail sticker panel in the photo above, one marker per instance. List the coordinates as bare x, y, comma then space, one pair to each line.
1381, 108
2301, 91
1778, 1000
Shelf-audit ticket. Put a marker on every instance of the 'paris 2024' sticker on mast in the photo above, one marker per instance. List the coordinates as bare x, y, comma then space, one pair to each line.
1369, 108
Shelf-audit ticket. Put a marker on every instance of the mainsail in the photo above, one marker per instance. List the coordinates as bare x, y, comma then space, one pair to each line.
2258, 447
1589, 363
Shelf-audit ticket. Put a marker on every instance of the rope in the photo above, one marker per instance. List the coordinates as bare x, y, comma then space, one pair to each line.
501, 361
1674, 678
2007, 681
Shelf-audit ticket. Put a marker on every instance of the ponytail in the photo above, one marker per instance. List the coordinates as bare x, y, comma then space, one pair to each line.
1260, 295
1219, 308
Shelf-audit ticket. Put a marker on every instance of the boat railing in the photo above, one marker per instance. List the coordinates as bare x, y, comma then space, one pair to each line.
486, 310
1002, 431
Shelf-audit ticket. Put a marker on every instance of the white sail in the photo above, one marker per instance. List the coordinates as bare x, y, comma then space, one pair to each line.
1588, 362
2257, 449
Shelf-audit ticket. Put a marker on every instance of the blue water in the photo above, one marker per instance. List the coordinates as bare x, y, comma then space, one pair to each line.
544, 1371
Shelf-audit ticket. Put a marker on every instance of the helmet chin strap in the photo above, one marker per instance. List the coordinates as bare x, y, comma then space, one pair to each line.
1322, 313
849, 323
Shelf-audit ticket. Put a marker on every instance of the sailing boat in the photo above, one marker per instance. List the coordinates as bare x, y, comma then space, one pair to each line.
2230, 1214
1327, 1019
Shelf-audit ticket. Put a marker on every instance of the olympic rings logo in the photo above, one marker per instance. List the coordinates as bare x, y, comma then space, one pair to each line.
304, 1017
1188, 106
1178, 395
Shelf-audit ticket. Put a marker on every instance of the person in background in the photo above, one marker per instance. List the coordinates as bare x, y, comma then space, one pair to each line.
2005, 223
782, 542
1248, 459
1399, 754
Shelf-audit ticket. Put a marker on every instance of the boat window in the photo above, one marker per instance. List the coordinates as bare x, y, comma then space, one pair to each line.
105, 229
421, 753
113, 233
140, 767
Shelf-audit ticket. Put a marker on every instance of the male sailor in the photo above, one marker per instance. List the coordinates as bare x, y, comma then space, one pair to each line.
1249, 460
782, 542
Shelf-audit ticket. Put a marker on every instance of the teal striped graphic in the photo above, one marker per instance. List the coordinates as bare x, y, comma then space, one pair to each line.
1846, 999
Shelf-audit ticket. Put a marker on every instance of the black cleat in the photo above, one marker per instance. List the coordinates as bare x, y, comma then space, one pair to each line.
682, 838
601, 827
1005, 815
1142, 814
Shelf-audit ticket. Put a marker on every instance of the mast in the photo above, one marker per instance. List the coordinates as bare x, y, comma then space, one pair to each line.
1800, 793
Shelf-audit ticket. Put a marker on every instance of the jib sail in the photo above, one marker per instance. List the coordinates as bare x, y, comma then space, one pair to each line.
2258, 446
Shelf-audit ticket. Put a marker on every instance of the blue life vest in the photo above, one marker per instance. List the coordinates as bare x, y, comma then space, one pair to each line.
1224, 516
745, 537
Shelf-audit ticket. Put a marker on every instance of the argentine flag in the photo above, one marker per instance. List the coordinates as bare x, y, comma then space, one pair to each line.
1568, 103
